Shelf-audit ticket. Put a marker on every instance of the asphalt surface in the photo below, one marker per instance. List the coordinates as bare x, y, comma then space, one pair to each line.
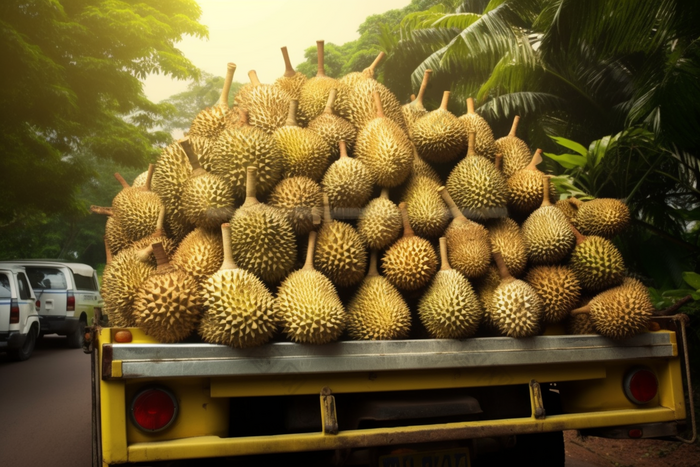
45, 407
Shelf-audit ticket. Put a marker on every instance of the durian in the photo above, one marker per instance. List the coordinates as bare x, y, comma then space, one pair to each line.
439, 136
484, 287
199, 254
558, 289
212, 120
267, 105
120, 282
525, 188
516, 154
604, 217
292, 81
379, 224
137, 209
140, 180
158, 236
596, 262
360, 107
333, 128
415, 109
449, 309
484, 144
377, 311
505, 237
422, 169
299, 198
115, 236
569, 207
411, 262
427, 211
352, 78
309, 308
348, 184
240, 310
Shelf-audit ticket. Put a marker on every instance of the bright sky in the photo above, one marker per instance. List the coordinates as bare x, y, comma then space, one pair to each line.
250, 34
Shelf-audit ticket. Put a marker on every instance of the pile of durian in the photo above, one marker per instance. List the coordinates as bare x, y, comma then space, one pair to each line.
321, 209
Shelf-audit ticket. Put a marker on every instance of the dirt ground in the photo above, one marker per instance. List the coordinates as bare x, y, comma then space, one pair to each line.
602, 452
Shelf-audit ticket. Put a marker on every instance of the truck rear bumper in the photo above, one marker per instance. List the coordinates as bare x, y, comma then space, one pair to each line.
58, 325
12, 340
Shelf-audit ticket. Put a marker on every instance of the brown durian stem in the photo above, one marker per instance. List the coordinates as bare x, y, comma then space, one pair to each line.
191, 156
498, 162
581, 311
472, 144
378, 104
253, 75
580, 238
309, 263
423, 87
223, 99
292, 115
228, 254
502, 268
375, 63
384, 194
443, 255
456, 213
545, 191
121, 180
161, 257
329, 103
470, 105
251, 182
149, 176
445, 100
108, 252
160, 223
288, 68
407, 230
536, 159
327, 219
343, 149
373, 271
319, 52
514, 128
102, 210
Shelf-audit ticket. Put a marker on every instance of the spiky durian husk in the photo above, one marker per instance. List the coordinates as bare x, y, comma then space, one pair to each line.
558, 289
525, 191
516, 309
604, 217
137, 211
439, 136
209, 122
246, 146
120, 283
314, 96
410, 263
506, 238
378, 312
569, 209
169, 246
176, 224
597, 264
168, 305
115, 235
450, 309
240, 311
411, 114
304, 153
297, 197
140, 180
422, 169
468, 248
386, 151
241, 99
207, 200
267, 107
340, 254
485, 145
516, 154
478, 188
348, 183
263, 242
580, 324
484, 287
292, 84
233, 120
547, 235
379, 224
360, 109
334, 129
309, 308
622, 311
200, 254
427, 211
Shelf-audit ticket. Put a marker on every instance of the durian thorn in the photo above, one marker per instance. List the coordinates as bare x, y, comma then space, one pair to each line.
470, 105
121, 180
309, 263
514, 128
384, 194
230, 69
582, 310
445, 100
251, 182
253, 76
545, 190
502, 268
498, 162
327, 219
407, 230
373, 271
149, 177
413, 97
423, 87
443, 255
144, 253
343, 148
472, 144
288, 68
102, 210
228, 254
378, 104
454, 209
536, 159
580, 238
186, 146
319, 53
329, 103
108, 252
292, 114
374, 64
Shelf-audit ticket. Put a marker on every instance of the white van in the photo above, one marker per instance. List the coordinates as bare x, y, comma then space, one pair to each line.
19, 319
67, 296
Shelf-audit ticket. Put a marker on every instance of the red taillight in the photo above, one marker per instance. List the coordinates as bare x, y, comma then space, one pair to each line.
14, 311
641, 385
153, 409
635, 433
70, 303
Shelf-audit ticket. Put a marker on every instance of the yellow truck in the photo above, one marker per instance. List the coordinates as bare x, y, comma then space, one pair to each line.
430, 402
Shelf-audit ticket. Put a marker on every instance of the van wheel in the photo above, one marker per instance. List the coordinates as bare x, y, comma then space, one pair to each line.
26, 350
75, 340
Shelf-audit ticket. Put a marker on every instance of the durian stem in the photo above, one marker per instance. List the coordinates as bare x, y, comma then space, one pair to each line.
253, 75
514, 128
536, 159
102, 210
384, 194
108, 252
470, 105
581, 311
502, 268
413, 97
186, 146
407, 230
423, 87
375, 63
378, 104
149, 176
228, 254
121, 180
343, 149
143, 254
230, 68
161, 257
251, 182
456, 213
327, 219
498, 162
445, 100
373, 271
319, 52
575, 202
580, 238
160, 223
329, 103
309, 263
545, 190
292, 115
288, 68
443, 255
472, 144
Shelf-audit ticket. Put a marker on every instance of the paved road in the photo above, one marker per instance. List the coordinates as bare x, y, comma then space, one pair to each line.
45, 407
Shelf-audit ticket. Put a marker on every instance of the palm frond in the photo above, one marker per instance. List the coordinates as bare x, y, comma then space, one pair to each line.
520, 103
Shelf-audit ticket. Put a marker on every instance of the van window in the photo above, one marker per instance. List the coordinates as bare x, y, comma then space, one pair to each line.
23, 287
5, 291
46, 278
84, 282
